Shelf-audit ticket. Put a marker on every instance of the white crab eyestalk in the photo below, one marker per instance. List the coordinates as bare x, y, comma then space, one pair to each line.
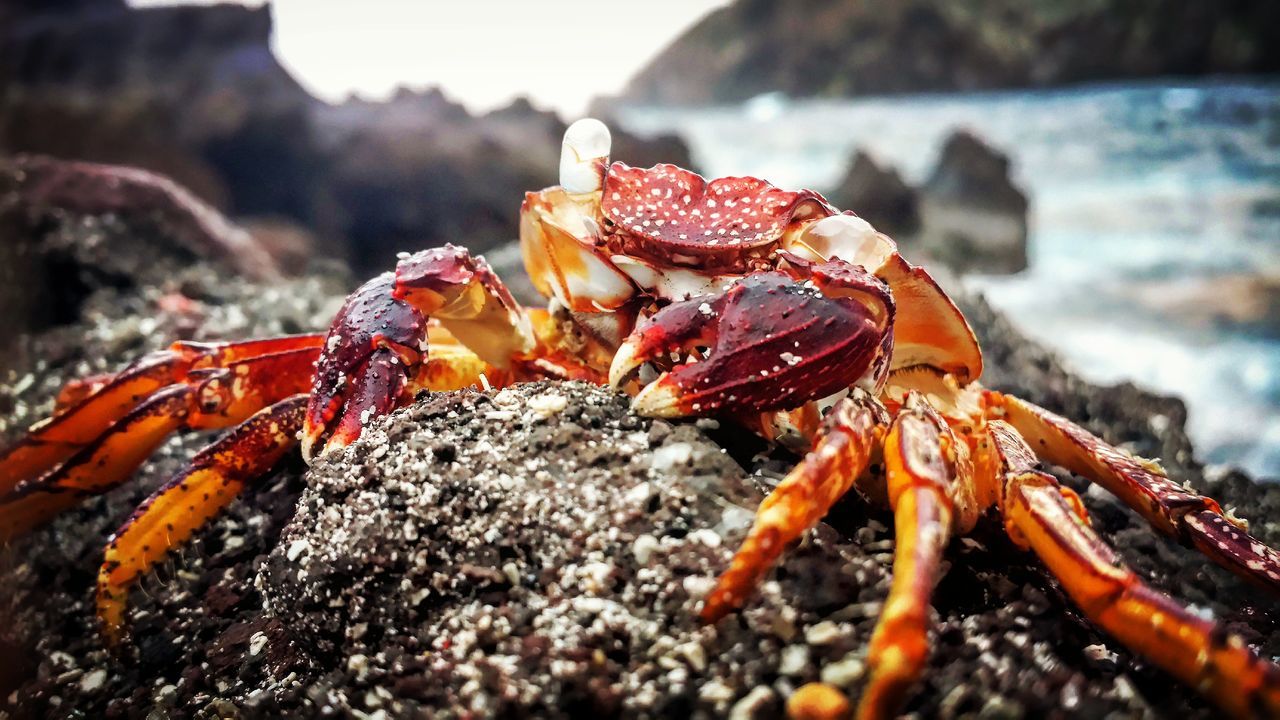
584, 155
847, 237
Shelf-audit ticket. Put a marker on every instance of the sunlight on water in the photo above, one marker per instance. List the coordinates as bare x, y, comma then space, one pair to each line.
1138, 193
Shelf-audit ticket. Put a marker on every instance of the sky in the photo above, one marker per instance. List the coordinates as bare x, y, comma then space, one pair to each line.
561, 53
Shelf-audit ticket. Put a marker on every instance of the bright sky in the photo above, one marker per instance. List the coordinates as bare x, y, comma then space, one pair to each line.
561, 53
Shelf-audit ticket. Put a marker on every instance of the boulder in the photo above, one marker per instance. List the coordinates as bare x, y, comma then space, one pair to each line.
969, 215
70, 228
878, 194
974, 216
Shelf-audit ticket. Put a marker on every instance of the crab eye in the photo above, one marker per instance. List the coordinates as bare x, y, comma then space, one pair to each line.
584, 155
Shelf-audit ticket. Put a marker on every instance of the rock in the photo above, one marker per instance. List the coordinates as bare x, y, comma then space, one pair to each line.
419, 171
968, 215
457, 556
1239, 302
42, 186
70, 228
832, 48
975, 218
291, 246
879, 195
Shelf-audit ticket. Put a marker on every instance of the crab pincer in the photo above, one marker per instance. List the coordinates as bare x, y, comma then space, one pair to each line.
375, 356
773, 340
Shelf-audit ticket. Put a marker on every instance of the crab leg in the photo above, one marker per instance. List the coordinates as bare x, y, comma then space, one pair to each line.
1199, 652
203, 488
1142, 484
852, 431
86, 464
87, 407
926, 470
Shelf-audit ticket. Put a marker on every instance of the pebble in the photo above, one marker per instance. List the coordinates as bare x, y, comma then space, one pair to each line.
794, 660
257, 643
548, 404
844, 672
93, 680
296, 548
753, 705
671, 455
823, 633
643, 548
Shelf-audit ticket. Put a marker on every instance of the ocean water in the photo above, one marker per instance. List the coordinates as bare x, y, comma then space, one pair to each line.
1146, 200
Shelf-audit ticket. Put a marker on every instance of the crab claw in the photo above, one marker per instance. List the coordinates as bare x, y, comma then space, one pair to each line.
374, 344
775, 341
376, 351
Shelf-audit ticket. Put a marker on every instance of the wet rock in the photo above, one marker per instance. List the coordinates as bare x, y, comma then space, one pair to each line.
975, 218
969, 215
71, 228
879, 195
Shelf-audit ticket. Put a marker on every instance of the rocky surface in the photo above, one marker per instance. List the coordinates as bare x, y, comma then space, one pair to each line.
832, 48
195, 93
540, 551
968, 215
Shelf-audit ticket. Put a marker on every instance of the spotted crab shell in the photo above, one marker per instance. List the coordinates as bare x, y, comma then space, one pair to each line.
672, 216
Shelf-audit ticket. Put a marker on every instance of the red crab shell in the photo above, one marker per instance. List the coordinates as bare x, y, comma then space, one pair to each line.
670, 215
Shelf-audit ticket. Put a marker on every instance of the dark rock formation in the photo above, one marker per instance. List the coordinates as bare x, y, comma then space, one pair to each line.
975, 218
968, 215
841, 49
879, 195
69, 228
420, 170
196, 94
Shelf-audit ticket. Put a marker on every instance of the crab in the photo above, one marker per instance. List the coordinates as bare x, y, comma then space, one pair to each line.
730, 298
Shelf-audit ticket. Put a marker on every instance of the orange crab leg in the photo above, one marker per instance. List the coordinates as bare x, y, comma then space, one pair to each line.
203, 488
1142, 484
843, 449
59, 437
1199, 652
210, 398
923, 471
87, 407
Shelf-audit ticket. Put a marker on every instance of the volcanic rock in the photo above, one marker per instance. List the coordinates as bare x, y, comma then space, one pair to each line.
540, 551
975, 218
879, 195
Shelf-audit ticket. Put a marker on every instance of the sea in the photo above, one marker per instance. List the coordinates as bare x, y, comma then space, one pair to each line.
1149, 203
